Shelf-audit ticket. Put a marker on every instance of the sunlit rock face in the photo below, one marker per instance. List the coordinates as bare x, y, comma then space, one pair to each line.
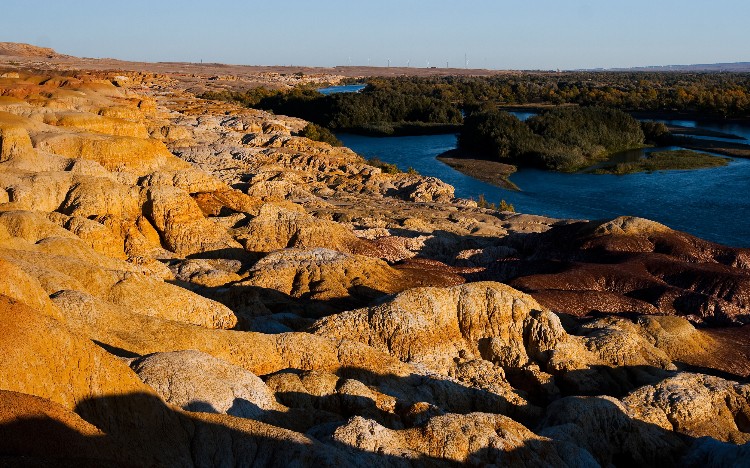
189, 283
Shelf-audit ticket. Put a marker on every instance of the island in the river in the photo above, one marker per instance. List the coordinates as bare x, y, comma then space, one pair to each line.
492, 172
573, 139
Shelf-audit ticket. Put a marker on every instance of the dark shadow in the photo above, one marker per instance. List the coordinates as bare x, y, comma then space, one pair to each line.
202, 407
250, 302
614, 381
612, 437
114, 350
142, 431
36, 441
235, 253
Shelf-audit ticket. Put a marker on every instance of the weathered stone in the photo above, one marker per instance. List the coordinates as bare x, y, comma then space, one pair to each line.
197, 381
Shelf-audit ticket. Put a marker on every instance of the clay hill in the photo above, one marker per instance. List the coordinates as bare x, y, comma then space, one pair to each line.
189, 283
16, 49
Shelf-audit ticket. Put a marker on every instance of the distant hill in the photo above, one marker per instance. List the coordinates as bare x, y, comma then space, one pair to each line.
707, 67
17, 49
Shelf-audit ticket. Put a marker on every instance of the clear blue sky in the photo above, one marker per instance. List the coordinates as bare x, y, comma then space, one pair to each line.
501, 34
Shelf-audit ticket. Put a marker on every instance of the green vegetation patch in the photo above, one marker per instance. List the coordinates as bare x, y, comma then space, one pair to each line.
387, 168
502, 206
561, 139
375, 111
318, 133
667, 160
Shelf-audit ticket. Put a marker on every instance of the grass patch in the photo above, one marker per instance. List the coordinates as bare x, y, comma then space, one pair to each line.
387, 168
502, 206
666, 160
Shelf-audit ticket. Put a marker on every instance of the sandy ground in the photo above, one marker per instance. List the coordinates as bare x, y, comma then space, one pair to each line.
199, 77
492, 172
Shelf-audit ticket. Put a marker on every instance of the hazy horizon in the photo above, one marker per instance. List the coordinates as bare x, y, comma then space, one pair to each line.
496, 35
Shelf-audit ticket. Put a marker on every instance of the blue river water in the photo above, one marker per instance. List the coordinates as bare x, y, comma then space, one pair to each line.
352, 88
710, 203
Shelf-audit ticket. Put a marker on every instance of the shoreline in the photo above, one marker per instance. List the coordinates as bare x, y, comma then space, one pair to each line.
498, 174
669, 160
680, 130
491, 172
724, 148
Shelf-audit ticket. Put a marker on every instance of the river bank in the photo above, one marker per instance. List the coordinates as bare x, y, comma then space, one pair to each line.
665, 160
726, 148
498, 174
492, 172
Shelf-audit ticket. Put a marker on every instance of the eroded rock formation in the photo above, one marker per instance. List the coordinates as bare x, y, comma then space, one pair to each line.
189, 283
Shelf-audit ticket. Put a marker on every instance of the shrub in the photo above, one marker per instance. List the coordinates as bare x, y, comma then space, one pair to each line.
505, 206
655, 132
502, 206
384, 166
483, 203
318, 133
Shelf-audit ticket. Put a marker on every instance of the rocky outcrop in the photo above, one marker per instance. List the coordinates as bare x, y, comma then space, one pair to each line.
54, 263
471, 439
629, 265
434, 327
325, 274
697, 405
278, 228
17, 49
186, 282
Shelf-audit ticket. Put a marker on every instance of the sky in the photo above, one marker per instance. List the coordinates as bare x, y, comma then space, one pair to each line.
499, 34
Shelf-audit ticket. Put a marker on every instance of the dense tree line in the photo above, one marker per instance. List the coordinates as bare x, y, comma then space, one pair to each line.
416, 104
379, 111
717, 94
562, 139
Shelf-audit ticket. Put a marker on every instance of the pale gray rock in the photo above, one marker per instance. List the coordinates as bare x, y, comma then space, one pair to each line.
197, 381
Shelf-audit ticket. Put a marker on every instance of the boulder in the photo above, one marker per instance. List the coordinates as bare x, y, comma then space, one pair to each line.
197, 381
696, 405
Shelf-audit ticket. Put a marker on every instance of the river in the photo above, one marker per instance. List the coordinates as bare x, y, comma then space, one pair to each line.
351, 88
709, 203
